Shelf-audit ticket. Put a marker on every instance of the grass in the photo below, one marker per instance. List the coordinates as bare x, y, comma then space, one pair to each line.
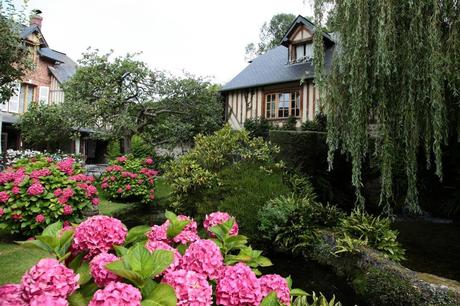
15, 260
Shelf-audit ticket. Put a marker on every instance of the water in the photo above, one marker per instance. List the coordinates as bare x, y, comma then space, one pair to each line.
431, 247
311, 276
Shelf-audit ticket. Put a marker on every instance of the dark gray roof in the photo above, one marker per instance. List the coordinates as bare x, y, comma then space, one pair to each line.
65, 66
27, 30
272, 68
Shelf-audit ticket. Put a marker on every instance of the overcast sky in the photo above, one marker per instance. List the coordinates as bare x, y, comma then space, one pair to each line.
203, 37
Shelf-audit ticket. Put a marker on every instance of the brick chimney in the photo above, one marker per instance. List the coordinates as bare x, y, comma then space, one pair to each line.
36, 18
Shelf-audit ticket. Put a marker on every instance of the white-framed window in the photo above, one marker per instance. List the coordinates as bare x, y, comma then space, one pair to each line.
281, 105
303, 52
44, 93
13, 104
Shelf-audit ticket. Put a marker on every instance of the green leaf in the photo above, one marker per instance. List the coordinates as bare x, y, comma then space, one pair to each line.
161, 295
289, 281
35, 244
139, 260
170, 216
136, 233
176, 227
77, 299
149, 285
76, 262
270, 300
52, 229
50, 241
84, 272
298, 292
119, 268
65, 242
121, 251
162, 259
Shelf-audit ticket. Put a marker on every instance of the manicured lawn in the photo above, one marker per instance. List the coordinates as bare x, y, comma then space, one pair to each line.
15, 259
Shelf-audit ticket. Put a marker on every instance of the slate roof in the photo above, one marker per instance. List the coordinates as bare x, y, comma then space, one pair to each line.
272, 67
65, 67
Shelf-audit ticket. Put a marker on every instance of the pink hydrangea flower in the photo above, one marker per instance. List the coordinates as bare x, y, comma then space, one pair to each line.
191, 288
66, 165
122, 159
149, 161
204, 257
11, 295
16, 216
98, 234
119, 190
68, 192
117, 294
68, 210
49, 277
48, 300
57, 192
158, 232
62, 200
274, 282
35, 189
104, 185
40, 218
2, 211
160, 245
189, 233
219, 218
95, 201
91, 190
238, 285
36, 174
102, 277
4, 196
128, 187
16, 190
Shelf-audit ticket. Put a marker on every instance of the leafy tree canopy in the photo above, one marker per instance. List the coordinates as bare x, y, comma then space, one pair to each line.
14, 61
43, 127
270, 35
394, 76
122, 97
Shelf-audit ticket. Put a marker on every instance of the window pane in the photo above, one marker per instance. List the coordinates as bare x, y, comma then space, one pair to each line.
299, 52
309, 50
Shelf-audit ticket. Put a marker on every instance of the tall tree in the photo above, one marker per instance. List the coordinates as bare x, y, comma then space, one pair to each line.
14, 60
122, 97
395, 72
270, 34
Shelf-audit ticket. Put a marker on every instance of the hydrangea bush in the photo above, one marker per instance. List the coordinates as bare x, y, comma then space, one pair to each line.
39, 191
128, 178
13, 156
99, 262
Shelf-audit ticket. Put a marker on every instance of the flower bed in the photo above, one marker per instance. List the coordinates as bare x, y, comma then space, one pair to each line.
130, 179
13, 156
99, 262
38, 191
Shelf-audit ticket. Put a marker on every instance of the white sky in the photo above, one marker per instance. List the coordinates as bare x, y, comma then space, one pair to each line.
203, 37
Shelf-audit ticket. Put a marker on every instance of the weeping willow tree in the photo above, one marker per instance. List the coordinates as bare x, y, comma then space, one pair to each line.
395, 75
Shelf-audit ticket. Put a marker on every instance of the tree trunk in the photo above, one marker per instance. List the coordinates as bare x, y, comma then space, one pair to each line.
126, 144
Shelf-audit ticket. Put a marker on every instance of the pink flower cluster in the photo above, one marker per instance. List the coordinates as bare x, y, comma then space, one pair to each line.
36, 174
188, 234
204, 257
102, 277
12, 175
149, 172
98, 234
114, 168
117, 294
148, 161
238, 285
274, 282
11, 295
219, 218
122, 159
82, 178
4, 196
35, 189
49, 277
191, 288
66, 165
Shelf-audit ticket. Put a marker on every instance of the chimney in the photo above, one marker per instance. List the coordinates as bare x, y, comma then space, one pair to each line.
36, 18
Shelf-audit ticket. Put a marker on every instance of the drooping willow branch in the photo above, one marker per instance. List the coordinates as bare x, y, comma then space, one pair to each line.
394, 68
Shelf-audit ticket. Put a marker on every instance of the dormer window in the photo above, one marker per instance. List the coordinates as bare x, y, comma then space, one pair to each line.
302, 52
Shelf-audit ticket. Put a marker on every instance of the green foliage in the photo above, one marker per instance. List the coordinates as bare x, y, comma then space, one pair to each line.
395, 74
317, 125
315, 300
21, 208
122, 97
258, 127
271, 34
293, 222
290, 124
197, 171
139, 148
14, 60
113, 149
373, 231
130, 179
44, 127
385, 288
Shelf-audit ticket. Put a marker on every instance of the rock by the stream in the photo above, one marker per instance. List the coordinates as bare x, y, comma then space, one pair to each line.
380, 281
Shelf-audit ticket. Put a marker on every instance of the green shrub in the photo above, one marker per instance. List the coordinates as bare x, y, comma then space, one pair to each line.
258, 127
318, 124
374, 231
290, 124
315, 300
197, 171
130, 179
293, 222
139, 149
38, 191
113, 150
385, 288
